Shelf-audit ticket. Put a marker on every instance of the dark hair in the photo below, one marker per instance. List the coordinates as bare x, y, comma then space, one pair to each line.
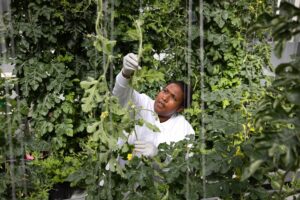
187, 92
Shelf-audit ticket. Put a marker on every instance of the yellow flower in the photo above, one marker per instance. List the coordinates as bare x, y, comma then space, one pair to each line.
251, 8
129, 156
225, 103
239, 152
104, 115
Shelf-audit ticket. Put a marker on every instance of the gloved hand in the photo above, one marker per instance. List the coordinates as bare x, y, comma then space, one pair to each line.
145, 148
130, 64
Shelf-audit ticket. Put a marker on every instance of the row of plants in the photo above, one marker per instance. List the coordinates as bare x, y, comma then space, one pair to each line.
67, 56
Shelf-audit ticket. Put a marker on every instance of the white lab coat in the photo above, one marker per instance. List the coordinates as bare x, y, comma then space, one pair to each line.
173, 130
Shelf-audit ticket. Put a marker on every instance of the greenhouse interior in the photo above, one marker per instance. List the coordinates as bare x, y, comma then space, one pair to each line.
150, 99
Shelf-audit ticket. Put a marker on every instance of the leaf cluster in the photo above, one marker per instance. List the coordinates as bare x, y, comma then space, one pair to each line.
277, 117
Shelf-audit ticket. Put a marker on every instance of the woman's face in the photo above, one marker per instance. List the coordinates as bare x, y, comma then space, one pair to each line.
168, 101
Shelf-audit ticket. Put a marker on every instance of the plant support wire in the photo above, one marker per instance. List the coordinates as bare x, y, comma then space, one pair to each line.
189, 52
201, 56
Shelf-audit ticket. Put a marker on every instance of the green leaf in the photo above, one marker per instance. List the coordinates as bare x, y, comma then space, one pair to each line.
93, 95
92, 128
132, 34
89, 83
104, 45
152, 127
249, 171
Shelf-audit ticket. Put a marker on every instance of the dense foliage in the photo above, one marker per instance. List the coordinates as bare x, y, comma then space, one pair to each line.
277, 116
67, 56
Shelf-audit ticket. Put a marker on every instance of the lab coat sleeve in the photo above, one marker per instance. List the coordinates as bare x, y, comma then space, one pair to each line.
125, 93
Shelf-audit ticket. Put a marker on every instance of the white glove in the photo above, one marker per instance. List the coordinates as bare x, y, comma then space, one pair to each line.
130, 64
145, 148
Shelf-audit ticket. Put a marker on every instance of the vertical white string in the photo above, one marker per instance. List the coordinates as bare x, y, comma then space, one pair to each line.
189, 56
112, 26
8, 108
21, 128
112, 53
9, 131
105, 34
202, 135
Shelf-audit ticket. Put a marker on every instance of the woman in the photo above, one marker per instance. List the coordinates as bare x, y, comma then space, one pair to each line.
163, 112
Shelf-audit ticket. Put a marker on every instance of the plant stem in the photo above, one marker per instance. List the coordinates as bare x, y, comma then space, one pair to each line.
282, 183
138, 24
98, 25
